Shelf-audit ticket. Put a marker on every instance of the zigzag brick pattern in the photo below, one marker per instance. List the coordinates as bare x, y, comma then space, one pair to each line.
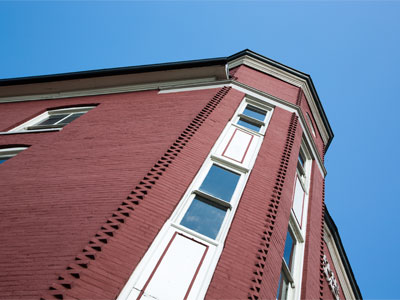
71, 276
258, 272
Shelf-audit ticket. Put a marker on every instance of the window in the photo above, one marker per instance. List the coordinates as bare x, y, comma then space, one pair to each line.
252, 118
7, 153
53, 119
301, 183
286, 278
211, 202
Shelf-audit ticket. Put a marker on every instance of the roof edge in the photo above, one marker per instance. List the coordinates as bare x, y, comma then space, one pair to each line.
114, 71
336, 237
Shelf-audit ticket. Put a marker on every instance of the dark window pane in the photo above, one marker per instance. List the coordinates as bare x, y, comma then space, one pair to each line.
71, 118
249, 125
204, 217
51, 120
3, 159
301, 159
288, 252
220, 183
283, 287
254, 112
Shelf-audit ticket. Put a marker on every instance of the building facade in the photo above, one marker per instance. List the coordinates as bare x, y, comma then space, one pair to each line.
188, 180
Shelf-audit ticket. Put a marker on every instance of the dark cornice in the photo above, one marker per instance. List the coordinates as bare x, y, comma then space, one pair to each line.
338, 242
114, 71
297, 73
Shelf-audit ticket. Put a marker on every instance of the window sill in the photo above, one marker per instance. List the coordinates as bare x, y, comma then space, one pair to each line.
30, 131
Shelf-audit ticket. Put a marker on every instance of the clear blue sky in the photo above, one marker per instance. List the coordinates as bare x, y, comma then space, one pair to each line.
350, 48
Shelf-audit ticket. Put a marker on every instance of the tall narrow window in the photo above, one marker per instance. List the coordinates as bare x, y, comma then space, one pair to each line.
287, 275
208, 208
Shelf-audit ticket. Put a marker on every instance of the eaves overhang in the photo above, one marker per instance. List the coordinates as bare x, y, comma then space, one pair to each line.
345, 261
152, 76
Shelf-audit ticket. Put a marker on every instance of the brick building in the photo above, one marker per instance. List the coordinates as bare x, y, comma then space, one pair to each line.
198, 179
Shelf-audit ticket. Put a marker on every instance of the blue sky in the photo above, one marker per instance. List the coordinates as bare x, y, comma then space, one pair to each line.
350, 48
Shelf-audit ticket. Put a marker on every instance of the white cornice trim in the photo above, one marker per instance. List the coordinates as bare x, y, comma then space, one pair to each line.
339, 267
110, 90
289, 78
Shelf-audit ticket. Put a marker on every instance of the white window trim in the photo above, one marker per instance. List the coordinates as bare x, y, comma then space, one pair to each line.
36, 120
258, 104
295, 276
11, 152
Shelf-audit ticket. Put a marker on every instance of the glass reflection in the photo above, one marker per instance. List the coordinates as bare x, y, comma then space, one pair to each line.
220, 183
254, 112
249, 125
288, 252
204, 217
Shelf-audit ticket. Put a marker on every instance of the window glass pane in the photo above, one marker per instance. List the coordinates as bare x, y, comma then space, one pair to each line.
51, 120
288, 252
301, 159
249, 125
283, 287
204, 217
71, 118
220, 183
254, 112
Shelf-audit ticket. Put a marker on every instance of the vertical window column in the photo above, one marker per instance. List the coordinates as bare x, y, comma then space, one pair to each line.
181, 260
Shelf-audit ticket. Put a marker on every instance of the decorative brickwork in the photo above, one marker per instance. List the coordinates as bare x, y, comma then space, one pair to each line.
66, 281
272, 211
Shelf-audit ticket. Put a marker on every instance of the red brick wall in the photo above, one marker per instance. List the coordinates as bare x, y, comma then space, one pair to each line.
267, 83
58, 193
306, 109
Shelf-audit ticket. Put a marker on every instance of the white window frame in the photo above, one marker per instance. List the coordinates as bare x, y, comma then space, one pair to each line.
295, 276
11, 152
23, 128
257, 104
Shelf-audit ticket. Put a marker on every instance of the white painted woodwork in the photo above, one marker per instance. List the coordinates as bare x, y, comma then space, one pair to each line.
238, 145
173, 276
298, 201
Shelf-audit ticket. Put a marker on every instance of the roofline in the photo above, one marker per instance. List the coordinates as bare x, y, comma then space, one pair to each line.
174, 66
294, 72
338, 242
114, 71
